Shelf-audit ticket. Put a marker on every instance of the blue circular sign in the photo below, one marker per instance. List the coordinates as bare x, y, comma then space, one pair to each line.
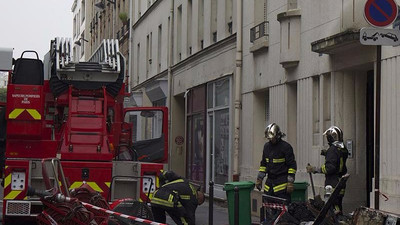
380, 13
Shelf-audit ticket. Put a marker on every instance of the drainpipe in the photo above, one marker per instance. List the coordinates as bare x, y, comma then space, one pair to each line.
130, 45
170, 64
377, 124
238, 90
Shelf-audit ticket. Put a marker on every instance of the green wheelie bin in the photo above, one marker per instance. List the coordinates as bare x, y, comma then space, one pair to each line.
245, 188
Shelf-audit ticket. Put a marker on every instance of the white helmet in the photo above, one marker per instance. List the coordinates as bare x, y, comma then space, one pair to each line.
273, 131
334, 134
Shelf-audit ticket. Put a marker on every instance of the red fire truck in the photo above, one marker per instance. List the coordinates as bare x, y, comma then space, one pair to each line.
74, 111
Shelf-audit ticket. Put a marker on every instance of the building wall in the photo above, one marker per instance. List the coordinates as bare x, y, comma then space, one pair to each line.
389, 166
152, 46
3, 79
330, 89
283, 81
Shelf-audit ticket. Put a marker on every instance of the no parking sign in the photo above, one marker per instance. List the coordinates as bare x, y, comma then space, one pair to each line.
380, 13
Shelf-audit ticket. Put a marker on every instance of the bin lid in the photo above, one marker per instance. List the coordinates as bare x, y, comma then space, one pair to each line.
240, 184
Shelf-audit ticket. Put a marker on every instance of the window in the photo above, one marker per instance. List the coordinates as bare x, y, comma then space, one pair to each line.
214, 37
146, 124
196, 144
213, 31
74, 30
147, 55
189, 27
137, 63
316, 108
200, 28
179, 33
228, 16
82, 45
159, 47
267, 109
83, 11
219, 135
78, 24
321, 95
326, 101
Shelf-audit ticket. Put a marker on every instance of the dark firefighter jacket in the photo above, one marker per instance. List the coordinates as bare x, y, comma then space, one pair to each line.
177, 195
278, 162
335, 164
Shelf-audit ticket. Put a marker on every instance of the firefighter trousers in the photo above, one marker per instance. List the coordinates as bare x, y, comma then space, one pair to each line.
176, 214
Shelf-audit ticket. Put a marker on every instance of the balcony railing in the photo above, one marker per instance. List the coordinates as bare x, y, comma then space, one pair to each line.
123, 32
261, 30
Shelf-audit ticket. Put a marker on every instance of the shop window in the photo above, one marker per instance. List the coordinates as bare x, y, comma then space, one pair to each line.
196, 148
219, 135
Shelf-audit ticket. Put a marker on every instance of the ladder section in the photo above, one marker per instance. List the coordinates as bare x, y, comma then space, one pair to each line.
85, 134
103, 66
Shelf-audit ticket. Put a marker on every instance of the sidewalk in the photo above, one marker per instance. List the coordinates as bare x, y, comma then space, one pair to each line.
221, 215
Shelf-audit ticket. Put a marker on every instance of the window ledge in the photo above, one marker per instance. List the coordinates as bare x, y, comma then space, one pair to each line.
259, 44
288, 14
289, 64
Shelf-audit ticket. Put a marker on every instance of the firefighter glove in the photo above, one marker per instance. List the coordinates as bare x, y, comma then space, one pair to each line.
311, 169
323, 152
290, 187
259, 184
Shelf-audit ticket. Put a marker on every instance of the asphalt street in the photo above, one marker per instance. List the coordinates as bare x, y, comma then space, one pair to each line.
221, 215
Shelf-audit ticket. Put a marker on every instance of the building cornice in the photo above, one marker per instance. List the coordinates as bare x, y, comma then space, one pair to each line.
206, 51
150, 80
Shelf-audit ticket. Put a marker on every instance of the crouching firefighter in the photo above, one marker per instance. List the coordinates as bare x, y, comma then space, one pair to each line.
178, 198
278, 163
335, 163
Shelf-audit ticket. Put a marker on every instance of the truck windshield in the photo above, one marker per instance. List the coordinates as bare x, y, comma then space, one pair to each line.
146, 124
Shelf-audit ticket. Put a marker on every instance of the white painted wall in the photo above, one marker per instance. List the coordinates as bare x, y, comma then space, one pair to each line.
263, 73
158, 16
390, 135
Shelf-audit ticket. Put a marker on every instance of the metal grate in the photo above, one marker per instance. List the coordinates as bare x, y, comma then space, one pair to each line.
261, 30
18, 208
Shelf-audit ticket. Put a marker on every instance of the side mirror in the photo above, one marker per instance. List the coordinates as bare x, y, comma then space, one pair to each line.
147, 114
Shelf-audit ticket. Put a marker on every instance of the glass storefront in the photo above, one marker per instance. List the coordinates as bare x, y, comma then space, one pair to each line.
219, 124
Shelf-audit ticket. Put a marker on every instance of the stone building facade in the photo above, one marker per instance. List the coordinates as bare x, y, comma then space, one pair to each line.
227, 68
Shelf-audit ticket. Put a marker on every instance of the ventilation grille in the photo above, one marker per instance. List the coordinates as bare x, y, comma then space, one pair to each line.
18, 208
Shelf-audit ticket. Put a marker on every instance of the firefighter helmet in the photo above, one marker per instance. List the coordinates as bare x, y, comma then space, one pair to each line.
333, 134
273, 131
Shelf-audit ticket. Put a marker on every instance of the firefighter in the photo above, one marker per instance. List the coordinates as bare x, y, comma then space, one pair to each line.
335, 163
278, 163
178, 198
